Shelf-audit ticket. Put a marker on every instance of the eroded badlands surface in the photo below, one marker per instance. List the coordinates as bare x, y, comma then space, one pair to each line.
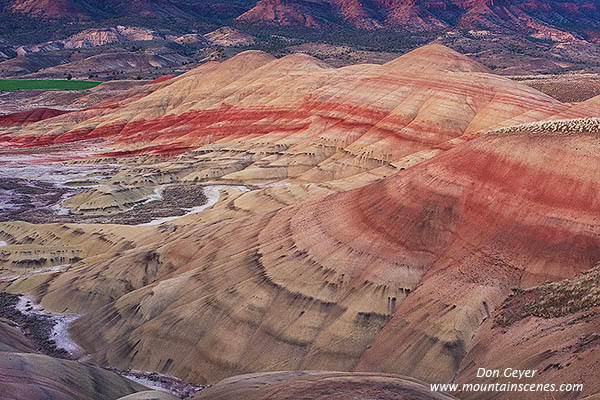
313, 385
371, 218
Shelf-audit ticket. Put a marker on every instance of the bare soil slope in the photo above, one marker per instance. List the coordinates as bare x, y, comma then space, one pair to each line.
319, 385
389, 211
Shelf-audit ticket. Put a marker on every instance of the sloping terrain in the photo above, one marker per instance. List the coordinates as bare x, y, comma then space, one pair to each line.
98, 37
544, 20
23, 104
511, 37
28, 63
312, 385
81, 10
355, 118
365, 218
433, 246
25, 375
593, 102
13, 340
473, 273
94, 37
566, 88
55, 9
29, 116
38, 377
227, 36
111, 62
285, 12
149, 395
556, 19
561, 318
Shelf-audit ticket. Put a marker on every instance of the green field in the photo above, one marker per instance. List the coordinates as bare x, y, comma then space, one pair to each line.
15, 84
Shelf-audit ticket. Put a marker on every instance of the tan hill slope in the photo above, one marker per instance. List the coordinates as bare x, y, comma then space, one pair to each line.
12, 339
25, 375
493, 209
109, 61
386, 226
345, 282
227, 36
313, 385
38, 377
149, 395
298, 118
553, 328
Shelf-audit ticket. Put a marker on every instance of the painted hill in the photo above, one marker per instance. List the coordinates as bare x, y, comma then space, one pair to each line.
99, 37
434, 239
490, 180
38, 377
110, 61
563, 313
377, 113
13, 340
25, 375
29, 116
406, 208
312, 385
386, 214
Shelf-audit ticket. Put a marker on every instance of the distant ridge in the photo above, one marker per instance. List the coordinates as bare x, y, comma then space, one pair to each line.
551, 19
